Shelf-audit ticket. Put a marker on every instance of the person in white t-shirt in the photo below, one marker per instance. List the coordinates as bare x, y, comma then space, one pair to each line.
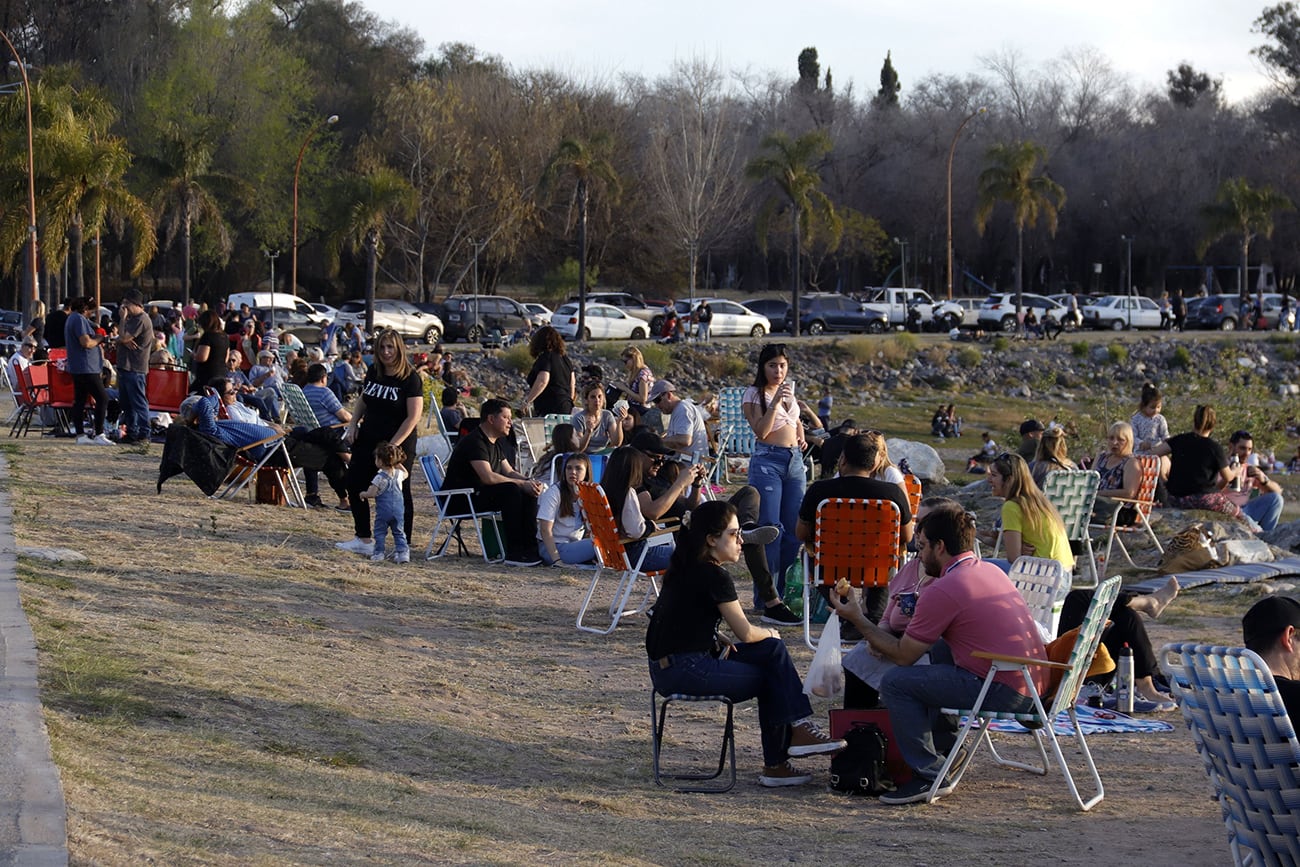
20, 360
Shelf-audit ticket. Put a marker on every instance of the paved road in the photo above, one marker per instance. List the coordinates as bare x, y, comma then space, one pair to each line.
33, 830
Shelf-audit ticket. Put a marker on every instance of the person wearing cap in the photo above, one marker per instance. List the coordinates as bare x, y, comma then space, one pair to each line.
20, 360
135, 345
687, 429
1271, 628
1030, 433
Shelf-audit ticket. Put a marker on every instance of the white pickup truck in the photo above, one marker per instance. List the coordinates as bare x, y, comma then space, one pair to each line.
894, 305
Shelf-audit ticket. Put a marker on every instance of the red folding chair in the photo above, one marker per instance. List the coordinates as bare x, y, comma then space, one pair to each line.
32, 394
63, 396
853, 539
165, 389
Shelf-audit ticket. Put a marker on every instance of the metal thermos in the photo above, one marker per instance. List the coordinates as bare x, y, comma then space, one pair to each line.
1124, 681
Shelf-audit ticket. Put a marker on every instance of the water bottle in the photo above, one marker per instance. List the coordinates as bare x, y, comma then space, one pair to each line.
1234, 463
1124, 681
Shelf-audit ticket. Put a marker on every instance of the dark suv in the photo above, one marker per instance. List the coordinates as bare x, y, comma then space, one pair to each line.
472, 316
822, 313
1223, 312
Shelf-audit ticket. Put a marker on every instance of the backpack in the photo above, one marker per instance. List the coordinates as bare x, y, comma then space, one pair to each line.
859, 769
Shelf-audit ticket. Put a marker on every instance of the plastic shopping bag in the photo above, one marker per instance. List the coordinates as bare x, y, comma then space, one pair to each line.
826, 676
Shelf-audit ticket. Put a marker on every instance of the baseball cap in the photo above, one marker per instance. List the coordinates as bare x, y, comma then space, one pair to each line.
1031, 426
660, 388
650, 443
1266, 618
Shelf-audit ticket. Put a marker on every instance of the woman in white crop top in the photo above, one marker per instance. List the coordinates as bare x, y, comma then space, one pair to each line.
776, 467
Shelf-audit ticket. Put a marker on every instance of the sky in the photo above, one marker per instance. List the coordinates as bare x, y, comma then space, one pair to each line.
591, 39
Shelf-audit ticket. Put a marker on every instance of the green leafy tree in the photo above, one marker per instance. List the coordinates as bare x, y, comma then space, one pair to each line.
586, 163
887, 96
366, 204
1243, 211
809, 69
1187, 87
1011, 177
790, 167
1281, 24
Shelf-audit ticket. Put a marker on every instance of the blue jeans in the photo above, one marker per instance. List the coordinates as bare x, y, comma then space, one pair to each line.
135, 405
760, 669
914, 695
778, 474
390, 515
1266, 509
656, 559
581, 551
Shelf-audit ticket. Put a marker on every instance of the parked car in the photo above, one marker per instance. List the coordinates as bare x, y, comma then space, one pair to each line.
775, 309
831, 312
405, 318
11, 325
540, 313
730, 318
325, 310
1224, 312
267, 300
623, 301
970, 311
472, 316
998, 312
603, 322
1118, 312
296, 323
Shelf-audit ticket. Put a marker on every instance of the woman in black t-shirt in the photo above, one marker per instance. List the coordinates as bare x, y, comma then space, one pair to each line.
211, 352
697, 594
552, 382
1198, 468
387, 410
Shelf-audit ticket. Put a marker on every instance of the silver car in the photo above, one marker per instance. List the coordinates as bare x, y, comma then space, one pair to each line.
403, 317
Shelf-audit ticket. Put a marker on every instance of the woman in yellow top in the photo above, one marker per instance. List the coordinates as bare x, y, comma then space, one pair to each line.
1031, 526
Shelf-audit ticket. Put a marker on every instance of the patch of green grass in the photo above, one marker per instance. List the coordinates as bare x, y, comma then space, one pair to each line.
861, 349
1000, 344
969, 356
1181, 358
1079, 349
726, 366
898, 350
1118, 353
92, 684
516, 358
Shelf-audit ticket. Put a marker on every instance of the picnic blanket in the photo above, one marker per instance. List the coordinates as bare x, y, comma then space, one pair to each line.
1094, 721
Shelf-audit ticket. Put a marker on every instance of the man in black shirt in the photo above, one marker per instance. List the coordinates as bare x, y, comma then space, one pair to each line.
478, 462
1271, 628
54, 323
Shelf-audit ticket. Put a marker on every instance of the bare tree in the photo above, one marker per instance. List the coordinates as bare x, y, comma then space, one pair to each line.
693, 159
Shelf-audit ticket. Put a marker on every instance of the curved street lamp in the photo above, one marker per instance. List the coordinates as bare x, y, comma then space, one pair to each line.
297, 167
33, 285
951, 153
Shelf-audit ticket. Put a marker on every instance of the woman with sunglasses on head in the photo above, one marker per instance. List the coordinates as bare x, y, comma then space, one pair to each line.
623, 482
687, 657
387, 410
776, 466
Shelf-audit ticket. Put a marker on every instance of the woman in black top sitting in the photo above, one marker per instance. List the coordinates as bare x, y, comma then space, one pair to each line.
1198, 468
684, 651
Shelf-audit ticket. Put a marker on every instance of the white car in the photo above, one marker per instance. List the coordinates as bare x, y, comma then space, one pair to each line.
403, 317
539, 313
970, 311
325, 310
998, 312
730, 318
1117, 312
603, 322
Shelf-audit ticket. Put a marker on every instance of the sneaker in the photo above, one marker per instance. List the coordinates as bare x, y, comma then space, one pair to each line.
343, 508
402, 557
914, 791
523, 562
780, 615
101, 440
84, 440
807, 739
314, 501
356, 546
760, 535
784, 774
379, 557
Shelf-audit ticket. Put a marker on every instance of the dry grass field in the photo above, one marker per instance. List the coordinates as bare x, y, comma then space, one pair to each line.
223, 687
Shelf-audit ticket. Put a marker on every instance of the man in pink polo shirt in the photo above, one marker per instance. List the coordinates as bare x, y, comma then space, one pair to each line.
972, 605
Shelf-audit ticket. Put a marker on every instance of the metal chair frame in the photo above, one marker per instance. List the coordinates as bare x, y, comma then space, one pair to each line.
612, 556
434, 475
726, 756
1149, 465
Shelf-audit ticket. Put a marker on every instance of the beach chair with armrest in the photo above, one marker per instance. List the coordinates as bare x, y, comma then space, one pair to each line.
1149, 468
612, 557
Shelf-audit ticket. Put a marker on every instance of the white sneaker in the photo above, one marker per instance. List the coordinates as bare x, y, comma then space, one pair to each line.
102, 440
402, 557
379, 558
356, 546
84, 440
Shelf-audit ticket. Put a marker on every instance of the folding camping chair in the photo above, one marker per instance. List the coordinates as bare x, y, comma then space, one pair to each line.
166, 389
735, 436
300, 411
1043, 585
249, 462
611, 555
1248, 744
597, 466
33, 394
1149, 466
853, 539
453, 506
1041, 720
1073, 493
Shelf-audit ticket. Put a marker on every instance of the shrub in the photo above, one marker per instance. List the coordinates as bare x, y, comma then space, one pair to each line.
1079, 349
516, 358
726, 366
937, 356
1182, 357
897, 350
969, 356
1000, 343
1118, 353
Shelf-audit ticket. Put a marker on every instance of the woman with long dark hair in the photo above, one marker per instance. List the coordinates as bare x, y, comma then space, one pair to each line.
776, 466
623, 481
387, 410
684, 657
211, 352
552, 384
561, 533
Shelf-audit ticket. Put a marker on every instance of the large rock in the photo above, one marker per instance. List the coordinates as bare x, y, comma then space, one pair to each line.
923, 460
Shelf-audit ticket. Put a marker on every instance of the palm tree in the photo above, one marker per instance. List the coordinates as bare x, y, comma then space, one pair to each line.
1240, 209
366, 204
587, 162
182, 197
789, 166
1010, 177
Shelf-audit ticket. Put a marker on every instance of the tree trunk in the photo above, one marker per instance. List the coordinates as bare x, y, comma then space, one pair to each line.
74, 259
1020, 264
372, 271
582, 260
794, 271
185, 261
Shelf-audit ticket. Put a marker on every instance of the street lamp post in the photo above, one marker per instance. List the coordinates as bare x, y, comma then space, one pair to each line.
478, 248
297, 167
952, 151
33, 286
1128, 277
271, 256
902, 246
